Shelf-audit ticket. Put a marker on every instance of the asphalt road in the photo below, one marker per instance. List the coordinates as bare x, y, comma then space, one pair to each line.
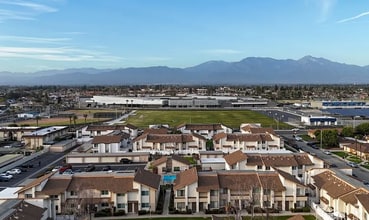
359, 174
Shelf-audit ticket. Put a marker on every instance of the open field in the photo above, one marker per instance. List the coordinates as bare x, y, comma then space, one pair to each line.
43, 122
231, 118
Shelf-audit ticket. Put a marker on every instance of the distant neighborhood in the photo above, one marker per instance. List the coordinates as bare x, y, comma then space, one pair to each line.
77, 156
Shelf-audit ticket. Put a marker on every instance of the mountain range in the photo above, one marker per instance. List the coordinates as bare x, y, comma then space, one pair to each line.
249, 71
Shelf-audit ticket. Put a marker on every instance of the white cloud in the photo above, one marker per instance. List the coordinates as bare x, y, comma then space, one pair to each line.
30, 5
22, 10
221, 51
26, 39
56, 54
354, 17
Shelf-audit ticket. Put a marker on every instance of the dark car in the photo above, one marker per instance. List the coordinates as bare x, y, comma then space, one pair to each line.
315, 146
125, 161
333, 165
64, 168
90, 168
27, 165
106, 168
3, 179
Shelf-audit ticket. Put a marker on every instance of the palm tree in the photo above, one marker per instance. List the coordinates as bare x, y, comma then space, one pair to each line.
75, 117
70, 121
85, 116
37, 119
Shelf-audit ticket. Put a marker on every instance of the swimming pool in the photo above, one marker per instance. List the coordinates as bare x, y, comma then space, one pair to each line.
169, 178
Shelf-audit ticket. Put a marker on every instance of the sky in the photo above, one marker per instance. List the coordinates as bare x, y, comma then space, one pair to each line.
59, 34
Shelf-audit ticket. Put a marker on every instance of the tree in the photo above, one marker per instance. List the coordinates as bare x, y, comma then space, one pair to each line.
37, 119
85, 116
347, 131
329, 138
362, 129
75, 117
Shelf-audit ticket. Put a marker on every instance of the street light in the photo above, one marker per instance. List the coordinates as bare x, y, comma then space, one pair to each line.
353, 123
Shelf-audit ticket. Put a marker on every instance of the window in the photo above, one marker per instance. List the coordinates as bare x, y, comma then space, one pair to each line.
213, 193
181, 192
260, 167
53, 196
223, 191
267, 168
181, 205
145, 205
104, 204
213, 204
300, 166
266, 191
144, 193
121, 206
28, 196
176, 169
120, 194
104, 192
293, 168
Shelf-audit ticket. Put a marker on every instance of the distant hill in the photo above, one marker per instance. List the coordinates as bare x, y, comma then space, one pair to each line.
251, 70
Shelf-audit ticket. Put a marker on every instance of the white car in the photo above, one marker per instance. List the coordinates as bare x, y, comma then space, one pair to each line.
56, 168
14, 171
7, 176
327, 152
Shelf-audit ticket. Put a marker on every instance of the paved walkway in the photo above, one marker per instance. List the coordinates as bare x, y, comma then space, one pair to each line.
166, 202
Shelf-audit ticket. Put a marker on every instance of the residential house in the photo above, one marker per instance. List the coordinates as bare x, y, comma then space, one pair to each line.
15, 133
169, 143
109, 143
81, 192
205, 130
212, 190
246, 142
21, 210
43, 137
97, 130
169, 164
338, 194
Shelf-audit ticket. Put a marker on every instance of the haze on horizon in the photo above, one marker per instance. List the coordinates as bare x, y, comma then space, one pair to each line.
60, 34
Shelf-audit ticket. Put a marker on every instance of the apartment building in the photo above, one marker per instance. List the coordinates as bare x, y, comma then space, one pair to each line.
45, 136
212, 190
15, 133
81, 192
110, 143
169, 143
338, 195
98, 130
205, 130
169, 164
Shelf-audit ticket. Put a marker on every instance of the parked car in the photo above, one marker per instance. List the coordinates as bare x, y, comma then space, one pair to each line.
106, 168
352, 164
327, 152
14, 171
90, 168
64, 168
3, 179
315, 146
7, 176
27, 165
333, 165
56, 168
125, 161
366, 183
68, 172
22, 169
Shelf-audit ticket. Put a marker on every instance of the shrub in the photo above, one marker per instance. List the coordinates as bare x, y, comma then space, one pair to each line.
119, 213
142, 212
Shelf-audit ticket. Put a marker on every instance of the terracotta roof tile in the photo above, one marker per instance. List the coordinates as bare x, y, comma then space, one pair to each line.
288, 177
169, 138
334, 186
237, 180
107, 139
279, 160
118, 184
185, 178
147, 178
181, 159
211, 127
235, 157
364, 200
159, 161
303, 159
207, 182
351, 196
254, 160
272, 182
36, 182
219, 136
56, 186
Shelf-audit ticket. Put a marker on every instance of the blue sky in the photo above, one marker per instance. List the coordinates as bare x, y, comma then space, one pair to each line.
58, 34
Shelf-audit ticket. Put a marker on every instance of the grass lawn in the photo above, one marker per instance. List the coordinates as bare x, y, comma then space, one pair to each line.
306, 137
354, 159
306, 217
341, 154
231, 118
366, 165
45, 122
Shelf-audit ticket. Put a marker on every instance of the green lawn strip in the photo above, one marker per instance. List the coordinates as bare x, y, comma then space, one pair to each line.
366, 165
354, 159
231, 118
341, 154
306, 137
